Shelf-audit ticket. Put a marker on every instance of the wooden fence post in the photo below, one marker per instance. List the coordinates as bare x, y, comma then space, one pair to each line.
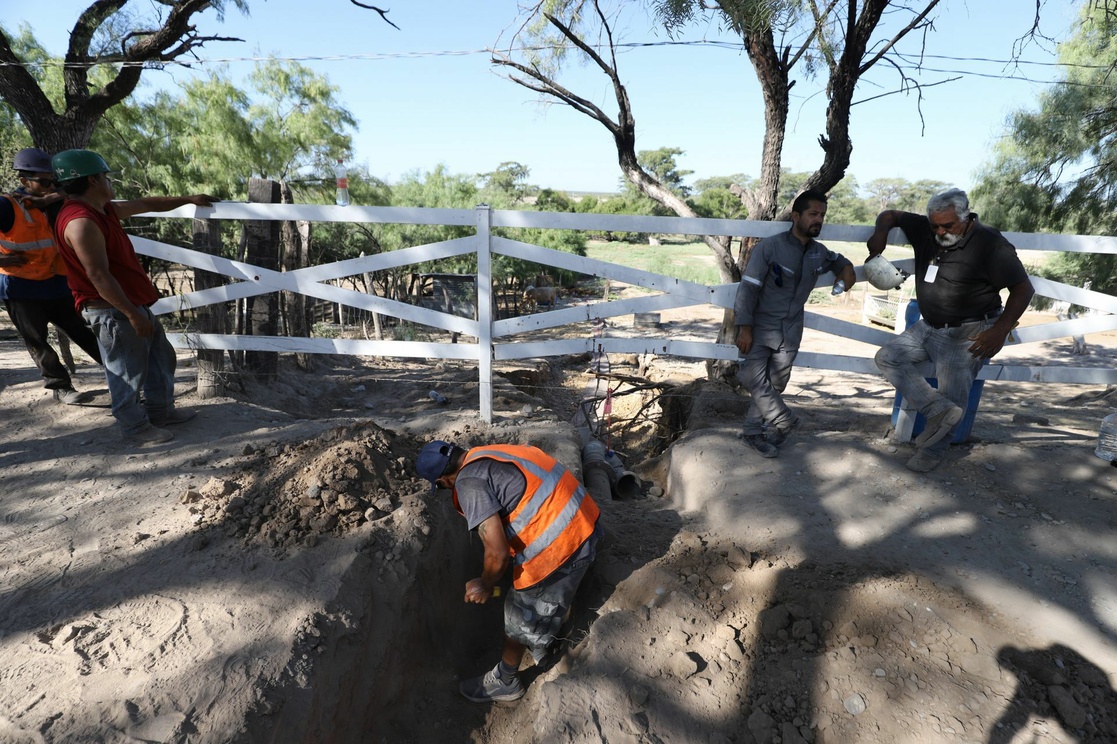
262, 249
296, 248
210, 318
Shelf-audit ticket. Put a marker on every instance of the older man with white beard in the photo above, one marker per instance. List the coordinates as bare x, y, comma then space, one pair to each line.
961, 266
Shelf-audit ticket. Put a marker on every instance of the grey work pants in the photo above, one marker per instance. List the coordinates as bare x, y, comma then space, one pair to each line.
764, 372
955, 367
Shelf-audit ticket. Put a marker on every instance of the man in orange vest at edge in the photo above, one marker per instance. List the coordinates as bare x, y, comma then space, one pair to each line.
115, 294
32, 276
532, 514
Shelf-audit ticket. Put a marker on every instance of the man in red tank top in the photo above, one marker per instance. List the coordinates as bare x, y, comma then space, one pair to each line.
114, 294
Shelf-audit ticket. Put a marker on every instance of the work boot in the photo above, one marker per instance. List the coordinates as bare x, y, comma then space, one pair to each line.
176, 416
761, 445
777, 435
939, 425
923, 461
68, 396
150, 435
488, 688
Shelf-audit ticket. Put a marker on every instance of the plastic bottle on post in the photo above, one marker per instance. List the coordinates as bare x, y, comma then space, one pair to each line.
342, 183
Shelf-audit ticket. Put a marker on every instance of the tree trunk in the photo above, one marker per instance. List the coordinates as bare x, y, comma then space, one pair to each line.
295, 248
86, 100
263, 251
772, 74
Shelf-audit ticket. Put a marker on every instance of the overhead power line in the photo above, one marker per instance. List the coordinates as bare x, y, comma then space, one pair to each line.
380, 56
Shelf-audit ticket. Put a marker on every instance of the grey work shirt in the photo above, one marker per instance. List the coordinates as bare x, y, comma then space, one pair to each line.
778, 278
486, 487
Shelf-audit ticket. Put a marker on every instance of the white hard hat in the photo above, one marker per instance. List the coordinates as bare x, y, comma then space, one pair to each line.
882, 274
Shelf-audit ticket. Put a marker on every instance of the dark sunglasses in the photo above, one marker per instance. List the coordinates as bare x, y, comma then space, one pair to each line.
777, 272
43, 181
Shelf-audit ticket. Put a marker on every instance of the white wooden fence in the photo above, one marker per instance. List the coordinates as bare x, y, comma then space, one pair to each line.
496, 339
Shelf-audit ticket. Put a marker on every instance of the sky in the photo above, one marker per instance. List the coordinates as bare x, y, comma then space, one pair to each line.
427, 95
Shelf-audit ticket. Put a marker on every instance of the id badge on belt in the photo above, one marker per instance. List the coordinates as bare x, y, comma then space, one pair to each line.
932, 272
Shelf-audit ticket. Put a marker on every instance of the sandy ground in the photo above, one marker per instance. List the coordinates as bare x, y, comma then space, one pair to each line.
277, 573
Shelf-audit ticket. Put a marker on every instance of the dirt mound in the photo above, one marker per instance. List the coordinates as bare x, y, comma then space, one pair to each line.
295, 493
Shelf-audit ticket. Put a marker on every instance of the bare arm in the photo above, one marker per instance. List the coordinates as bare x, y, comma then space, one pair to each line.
125, 209
496, 560
878, 241
88, 243
990, 341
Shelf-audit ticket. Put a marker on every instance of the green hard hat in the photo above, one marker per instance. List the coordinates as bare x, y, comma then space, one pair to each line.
71, 164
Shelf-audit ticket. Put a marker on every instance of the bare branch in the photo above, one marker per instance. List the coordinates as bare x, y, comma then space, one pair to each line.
383, 13
915, 23
547, 86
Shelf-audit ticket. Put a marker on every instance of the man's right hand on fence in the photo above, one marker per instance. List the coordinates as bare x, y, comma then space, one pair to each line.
744, 339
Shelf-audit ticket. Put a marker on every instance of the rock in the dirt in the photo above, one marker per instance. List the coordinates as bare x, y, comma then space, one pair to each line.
190, 497
655, 492
1030, 418
1070, 711
790, 735
854, 704
163, 728
773, 620
762, 726
801, 629
639, 695
683, 665
739, 559
215, 488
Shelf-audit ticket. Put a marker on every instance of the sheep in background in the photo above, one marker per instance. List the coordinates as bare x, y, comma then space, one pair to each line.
534, 297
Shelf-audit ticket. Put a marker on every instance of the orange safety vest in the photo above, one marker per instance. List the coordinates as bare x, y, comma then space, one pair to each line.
32, 236
552, 520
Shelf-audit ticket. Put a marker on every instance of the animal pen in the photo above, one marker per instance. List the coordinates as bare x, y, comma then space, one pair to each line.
478, 335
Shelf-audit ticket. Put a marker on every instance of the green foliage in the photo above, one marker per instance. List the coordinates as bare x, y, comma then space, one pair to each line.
550, 200
662, 163
507, 186
1058, 169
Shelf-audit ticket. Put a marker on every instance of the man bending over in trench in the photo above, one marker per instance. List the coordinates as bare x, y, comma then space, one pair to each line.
533, 514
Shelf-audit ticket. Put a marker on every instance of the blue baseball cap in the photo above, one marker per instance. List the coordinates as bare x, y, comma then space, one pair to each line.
433, 460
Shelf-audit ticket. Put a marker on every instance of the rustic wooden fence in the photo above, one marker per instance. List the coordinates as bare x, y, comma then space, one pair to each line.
484, 338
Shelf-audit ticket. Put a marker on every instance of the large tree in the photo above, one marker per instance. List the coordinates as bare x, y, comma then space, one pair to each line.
1057, 170
782, 39
104, 37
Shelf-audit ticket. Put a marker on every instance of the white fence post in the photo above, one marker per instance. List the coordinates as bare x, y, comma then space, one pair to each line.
485, 310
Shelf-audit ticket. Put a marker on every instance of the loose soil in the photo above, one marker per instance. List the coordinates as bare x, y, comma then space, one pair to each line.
279, 574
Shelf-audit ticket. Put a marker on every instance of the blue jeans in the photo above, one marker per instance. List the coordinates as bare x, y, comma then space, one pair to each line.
955, 367
764, 372
135, 365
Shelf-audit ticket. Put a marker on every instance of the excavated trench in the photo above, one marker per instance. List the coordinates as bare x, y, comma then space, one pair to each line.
383, 662
386, 664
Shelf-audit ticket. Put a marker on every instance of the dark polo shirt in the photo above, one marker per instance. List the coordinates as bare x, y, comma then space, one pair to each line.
971, 273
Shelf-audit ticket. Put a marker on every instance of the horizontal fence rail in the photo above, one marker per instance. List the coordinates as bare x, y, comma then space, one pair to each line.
495, 339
